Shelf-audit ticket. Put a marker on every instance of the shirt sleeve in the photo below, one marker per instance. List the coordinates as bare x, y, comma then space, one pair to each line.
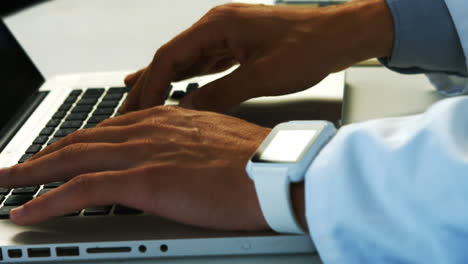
455, 85
426, 39
393, 190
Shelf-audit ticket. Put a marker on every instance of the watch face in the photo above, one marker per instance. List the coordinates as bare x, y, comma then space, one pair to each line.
287, 146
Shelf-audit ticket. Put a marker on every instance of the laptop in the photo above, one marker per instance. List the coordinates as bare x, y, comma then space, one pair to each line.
35, 112
377, 92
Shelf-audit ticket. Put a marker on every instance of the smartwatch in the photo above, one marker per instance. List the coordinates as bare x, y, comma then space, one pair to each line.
282, 158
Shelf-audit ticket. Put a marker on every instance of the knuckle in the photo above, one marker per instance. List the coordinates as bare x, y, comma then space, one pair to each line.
144, 126
74, 149
105, 122
28, 207
161, 52
145, 146
82, 185
224, 11
162, 109
150, 172
76, 136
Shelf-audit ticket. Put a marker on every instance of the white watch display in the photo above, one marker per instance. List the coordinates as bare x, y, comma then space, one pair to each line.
282, 158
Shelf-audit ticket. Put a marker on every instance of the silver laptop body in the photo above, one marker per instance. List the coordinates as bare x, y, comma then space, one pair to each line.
34, 102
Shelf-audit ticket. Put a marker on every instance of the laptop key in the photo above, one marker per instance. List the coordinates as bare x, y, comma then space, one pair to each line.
71, 99
118, 90
191, 87
52, 185
87, 101
93, 92
25, 157
65, 107
71, 124
103, 111
108, 104
53, 140
76, 92
97, 210
76, 116
43, 191
18, 199
178, 95
53, 123
64, 132
4, 191
60, 115
5, 211
82, 109
90, 125
41, 140
123, 210
47, 131
33, 149
97, 119
26, 190
112, 96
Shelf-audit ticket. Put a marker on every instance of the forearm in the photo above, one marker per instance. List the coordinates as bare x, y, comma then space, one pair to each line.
368, 28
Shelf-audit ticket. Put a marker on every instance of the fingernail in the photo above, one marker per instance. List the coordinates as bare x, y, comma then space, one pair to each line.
17, 212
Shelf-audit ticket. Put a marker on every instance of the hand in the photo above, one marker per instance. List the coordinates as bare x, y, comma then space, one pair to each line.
184, 165
281, 50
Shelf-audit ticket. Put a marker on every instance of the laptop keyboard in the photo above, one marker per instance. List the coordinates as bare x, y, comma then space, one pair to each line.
81, 109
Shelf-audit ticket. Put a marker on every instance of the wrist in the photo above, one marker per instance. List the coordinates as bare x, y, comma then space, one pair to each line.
298, 203
371, 30
359, 30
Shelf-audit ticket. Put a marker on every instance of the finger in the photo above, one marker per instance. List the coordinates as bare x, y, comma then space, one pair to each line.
131, 79
91, 135
133, 98
226, 92
84, 191
175, 57
126, 119
207, 64
70, 161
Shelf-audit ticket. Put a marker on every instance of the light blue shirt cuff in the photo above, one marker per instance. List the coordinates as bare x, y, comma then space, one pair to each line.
426, 39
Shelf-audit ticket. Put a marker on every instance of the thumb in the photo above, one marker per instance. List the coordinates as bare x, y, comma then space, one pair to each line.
224, 93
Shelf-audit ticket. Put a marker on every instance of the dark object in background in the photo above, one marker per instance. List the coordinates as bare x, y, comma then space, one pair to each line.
10, 6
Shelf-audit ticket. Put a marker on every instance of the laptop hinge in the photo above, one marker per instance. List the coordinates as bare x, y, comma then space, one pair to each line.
20, 118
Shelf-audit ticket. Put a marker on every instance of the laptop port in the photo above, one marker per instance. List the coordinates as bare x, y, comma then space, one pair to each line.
142, 248
99, 250
38, 252
15, 253
67, 251
163, 248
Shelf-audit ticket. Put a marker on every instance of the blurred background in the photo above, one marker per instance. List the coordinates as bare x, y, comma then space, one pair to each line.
72, 36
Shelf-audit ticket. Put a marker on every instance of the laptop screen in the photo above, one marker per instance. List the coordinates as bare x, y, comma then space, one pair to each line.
19, 78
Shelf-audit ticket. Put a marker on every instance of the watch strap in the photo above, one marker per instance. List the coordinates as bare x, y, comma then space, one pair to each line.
273, 192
